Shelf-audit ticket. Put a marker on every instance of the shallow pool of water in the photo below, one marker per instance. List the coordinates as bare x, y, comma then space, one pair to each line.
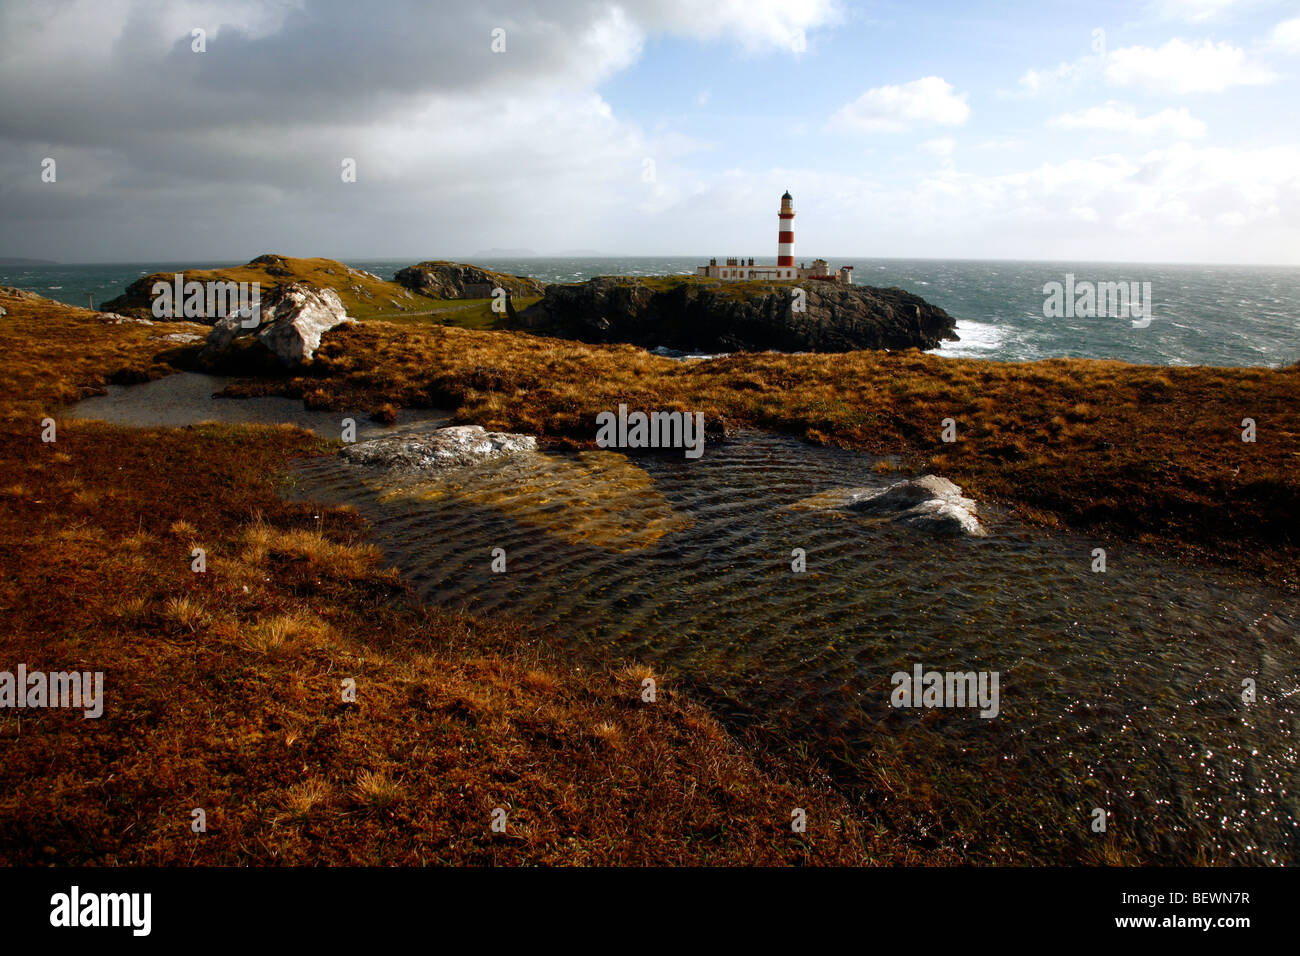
1120, 690
190, 398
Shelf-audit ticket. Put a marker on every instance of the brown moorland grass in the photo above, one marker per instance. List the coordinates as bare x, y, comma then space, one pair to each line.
223, 690
1123, 452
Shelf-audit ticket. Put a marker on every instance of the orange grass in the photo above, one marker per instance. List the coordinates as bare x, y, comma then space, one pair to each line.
224, 690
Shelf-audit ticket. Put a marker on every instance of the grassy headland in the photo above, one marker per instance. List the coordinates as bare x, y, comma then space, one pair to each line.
365, 296
223, 689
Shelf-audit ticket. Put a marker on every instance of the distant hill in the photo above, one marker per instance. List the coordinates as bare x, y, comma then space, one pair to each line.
14, 261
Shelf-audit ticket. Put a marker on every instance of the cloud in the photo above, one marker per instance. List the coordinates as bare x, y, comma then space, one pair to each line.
239, 148
1121, 118
1181, 202
1176, 202
1286, 36
1194, 11
757, 25
929, 101
1183, 67
940, 146
1063, 76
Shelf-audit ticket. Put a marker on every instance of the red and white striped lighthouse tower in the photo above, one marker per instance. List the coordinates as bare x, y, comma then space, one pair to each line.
785, 237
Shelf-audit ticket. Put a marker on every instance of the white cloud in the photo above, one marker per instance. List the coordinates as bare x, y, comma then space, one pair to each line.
1286, 35
1183, 67
1175, 200
940, 146
1195, 11
928, 101
758, 25
1121, 118
1063, 76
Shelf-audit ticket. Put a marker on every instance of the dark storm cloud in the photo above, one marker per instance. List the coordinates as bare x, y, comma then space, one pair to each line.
153, 139
329, 61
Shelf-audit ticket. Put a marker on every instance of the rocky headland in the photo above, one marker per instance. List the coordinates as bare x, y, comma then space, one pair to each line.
455, 280
711, 316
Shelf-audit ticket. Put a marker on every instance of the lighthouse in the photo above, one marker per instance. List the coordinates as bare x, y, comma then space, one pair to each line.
785, 270
785, 233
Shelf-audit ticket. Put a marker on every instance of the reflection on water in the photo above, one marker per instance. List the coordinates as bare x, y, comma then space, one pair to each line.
597, 498
1120, 690
187, 399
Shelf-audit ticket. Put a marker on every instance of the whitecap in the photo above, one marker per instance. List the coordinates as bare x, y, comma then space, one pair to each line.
977, 339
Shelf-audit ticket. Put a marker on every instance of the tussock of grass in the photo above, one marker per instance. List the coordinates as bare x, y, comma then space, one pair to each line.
284, 634
376, 790
184, 612
307, 799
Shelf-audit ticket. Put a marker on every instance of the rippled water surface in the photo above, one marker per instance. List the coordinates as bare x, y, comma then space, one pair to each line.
1119, 690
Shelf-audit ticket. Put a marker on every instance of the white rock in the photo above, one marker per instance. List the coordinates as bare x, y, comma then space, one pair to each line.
112, 318
452, 447
928, 502
291, 320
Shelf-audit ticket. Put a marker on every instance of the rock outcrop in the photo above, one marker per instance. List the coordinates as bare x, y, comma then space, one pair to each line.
112, 318
359, 290
292, 319
453, 447
710, 316
931, 503
14, 292
454, 280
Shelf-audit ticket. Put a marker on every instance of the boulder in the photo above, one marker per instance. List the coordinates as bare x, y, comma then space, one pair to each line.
291, 320
703, 315
932, 503
453, 447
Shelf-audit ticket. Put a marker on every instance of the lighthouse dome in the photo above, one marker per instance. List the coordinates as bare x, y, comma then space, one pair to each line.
787, 195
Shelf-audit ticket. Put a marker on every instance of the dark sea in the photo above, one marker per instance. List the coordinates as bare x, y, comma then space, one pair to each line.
1201, 315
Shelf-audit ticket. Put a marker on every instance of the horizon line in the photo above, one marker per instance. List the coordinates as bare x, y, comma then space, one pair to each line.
614, 255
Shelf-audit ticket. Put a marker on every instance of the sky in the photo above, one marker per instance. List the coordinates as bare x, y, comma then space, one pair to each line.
1138, 131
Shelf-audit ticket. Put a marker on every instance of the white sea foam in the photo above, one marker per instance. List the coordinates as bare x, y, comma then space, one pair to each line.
977, 339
